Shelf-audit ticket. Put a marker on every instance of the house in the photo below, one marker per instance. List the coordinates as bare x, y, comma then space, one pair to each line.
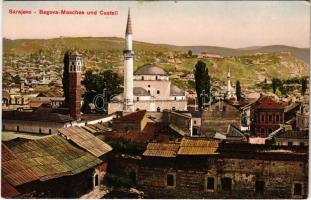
266, 116
201, 168
54, 167
218, 117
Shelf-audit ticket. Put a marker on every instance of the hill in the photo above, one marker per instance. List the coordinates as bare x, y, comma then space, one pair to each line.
249, 65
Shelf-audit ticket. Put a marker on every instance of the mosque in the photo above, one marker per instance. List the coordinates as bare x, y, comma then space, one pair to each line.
148, 88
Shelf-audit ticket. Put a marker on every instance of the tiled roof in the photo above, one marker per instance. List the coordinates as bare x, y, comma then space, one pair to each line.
268, 102
176, 91
86, 140
291, 106
198, 147
293, 134
162, 150
35, 116
234, 133
53, 157
135, 116
13, 170
7, 190
179, 130
139, 91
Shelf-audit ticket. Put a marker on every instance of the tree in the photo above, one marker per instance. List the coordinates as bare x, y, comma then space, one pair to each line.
238, 90
96, 83
303, 86
190, 53
16, 79
276, 83
202, 81
65, 79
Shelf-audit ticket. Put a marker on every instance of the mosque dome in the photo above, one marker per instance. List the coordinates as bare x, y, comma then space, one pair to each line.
139, 91
176, 91
150, 69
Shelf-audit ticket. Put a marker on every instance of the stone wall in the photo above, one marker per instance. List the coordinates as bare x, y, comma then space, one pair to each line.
191, 178
32, 126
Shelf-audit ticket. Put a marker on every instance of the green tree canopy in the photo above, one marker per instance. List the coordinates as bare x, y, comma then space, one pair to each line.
95, 83
202, 81
238, 90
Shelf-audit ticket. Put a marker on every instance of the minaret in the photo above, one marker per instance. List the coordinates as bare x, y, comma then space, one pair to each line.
75, 64
229, 92
128, 54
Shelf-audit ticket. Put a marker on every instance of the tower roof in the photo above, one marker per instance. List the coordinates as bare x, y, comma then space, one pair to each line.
129, 24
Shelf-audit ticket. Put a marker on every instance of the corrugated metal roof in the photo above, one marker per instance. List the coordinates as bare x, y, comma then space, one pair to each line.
86, 140
13, 169
161, 150
52, 157
198, 147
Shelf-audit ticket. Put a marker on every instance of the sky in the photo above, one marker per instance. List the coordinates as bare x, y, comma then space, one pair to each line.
234, 24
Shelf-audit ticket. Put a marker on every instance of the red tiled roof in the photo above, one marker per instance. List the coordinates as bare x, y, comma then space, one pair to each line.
269, 102
162, 150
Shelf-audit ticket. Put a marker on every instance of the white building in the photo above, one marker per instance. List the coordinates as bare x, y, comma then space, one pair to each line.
149, 89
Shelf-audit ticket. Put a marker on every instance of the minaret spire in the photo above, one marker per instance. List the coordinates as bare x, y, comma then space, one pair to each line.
129, 24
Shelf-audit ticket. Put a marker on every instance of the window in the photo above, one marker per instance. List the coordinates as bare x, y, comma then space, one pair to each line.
262, 118
142, 78
194, 122
96, 181
158, 91
270, 118
297, 189
194, 131
175, 98
137, 98
148, 91
137, 109
40, 131
259, 187
156, 77
290, 143
226, 184
210, 183
148, 85
158, 109
3, 127
277, 118
173, 108
133, 176
50, 131
170, 180
17, 128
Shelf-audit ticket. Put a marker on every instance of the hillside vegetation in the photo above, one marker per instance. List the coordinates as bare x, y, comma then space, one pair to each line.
250, 65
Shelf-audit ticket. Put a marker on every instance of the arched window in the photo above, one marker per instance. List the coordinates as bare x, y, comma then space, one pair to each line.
175, 98
148, 85
158, 109
142, 78
156, 77
137, 98
148, 91
158, 91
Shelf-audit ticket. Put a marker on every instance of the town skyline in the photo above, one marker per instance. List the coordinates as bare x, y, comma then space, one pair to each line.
276, 23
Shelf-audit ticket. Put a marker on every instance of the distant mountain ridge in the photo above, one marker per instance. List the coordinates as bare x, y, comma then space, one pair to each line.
116, 43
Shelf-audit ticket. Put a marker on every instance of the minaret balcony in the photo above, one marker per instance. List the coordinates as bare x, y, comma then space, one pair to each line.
128, 53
